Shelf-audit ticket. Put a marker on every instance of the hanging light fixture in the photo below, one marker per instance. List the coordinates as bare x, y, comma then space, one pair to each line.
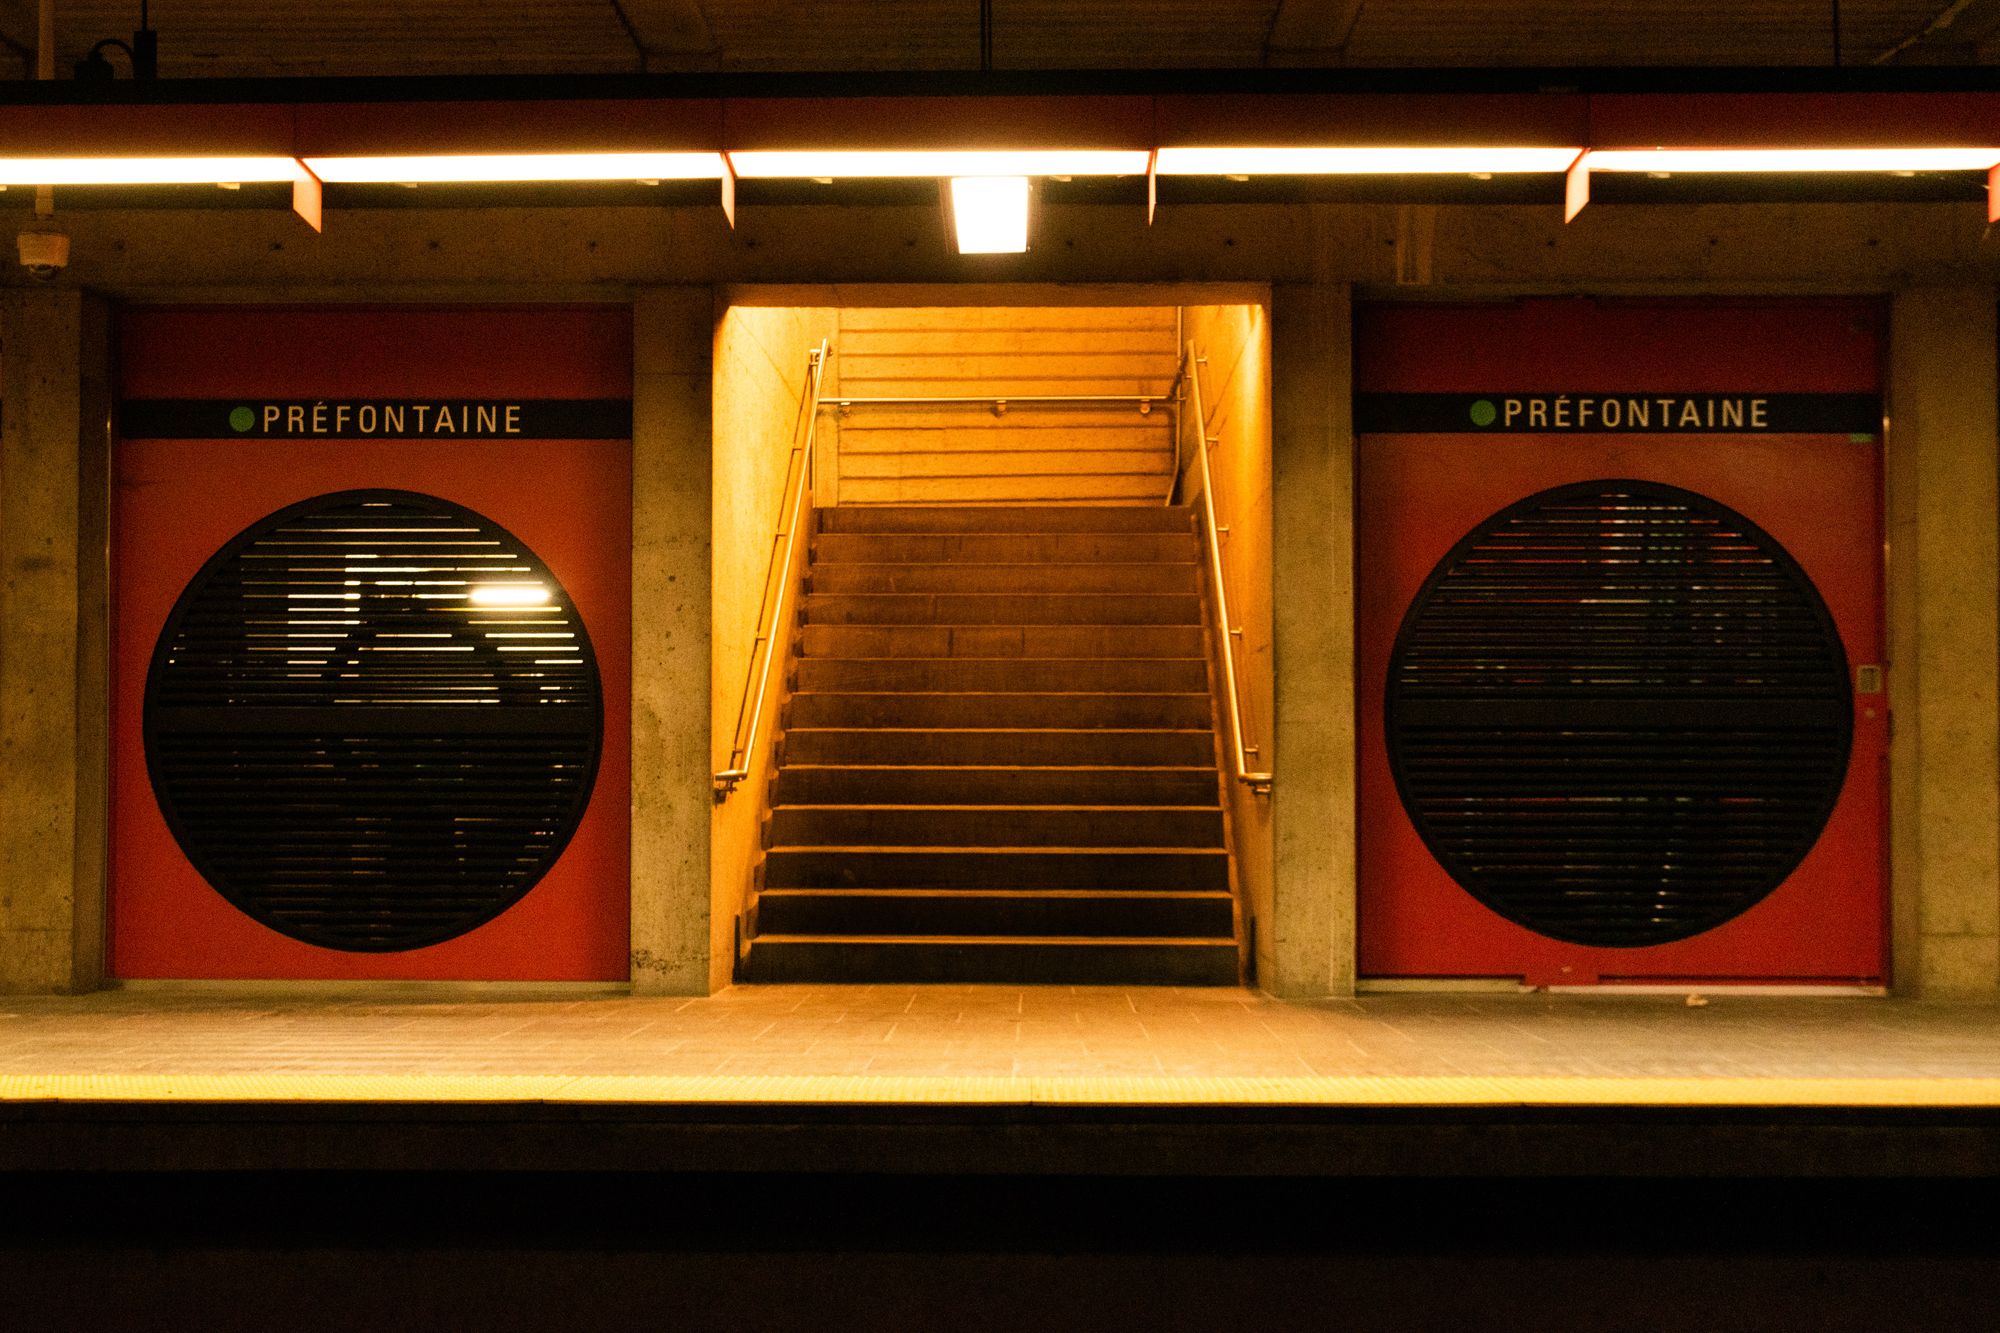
989, 214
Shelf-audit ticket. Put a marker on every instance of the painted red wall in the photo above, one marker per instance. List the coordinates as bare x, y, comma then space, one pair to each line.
177, 501
1818, 495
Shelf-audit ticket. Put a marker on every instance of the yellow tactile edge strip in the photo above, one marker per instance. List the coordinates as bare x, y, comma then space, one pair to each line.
691, 1089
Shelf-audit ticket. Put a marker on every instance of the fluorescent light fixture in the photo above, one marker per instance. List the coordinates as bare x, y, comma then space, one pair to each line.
1385, 161
990, 214
976, 162
509, 594
146, 170
1792, 159
474, 167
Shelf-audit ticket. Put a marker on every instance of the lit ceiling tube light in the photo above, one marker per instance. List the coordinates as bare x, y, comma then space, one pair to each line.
1362, 161
499, 168
861, 165
147, 170
232, 171
989, 214
1781, 161
1777, 160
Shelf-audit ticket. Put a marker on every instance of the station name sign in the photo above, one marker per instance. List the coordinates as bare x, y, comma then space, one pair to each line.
1619, 413
376, 419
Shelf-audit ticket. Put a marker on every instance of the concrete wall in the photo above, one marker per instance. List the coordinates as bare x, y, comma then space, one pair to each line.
1944, 645
672, 924
760, 376
55, 450
1311, 947
1940, 261
1235, 341
423, 254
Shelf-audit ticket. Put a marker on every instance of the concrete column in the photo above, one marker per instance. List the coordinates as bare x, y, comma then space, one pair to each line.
54, 739
1944, 642
1309, 944
673, 950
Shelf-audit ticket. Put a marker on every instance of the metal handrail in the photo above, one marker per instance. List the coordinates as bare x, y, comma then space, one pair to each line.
757, 682
1260, 783
1143, 401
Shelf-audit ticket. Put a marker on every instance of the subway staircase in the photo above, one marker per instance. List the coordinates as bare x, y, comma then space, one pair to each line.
999, 756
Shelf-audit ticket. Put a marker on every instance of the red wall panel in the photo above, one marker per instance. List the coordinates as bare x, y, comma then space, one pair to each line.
1817, 495
178, 501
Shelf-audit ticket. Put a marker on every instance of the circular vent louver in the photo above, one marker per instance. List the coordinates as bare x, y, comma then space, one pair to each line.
1617, 713
373, 720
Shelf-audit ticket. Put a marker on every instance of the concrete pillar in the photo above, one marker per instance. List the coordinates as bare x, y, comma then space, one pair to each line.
54, 579
1944, 643
672, 927
1309, 949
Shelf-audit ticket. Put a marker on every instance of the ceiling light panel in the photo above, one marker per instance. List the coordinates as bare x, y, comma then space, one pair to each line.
1383, 161
504, 167
863, 164
146, 170
990, 214
1792, 159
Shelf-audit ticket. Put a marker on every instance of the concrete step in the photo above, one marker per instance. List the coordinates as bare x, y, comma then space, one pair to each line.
1002, 641
1153, 675
1110, 869
992, 912
1000, 609
1006, 518
1018, 960
1054, 548
1129, 577
983, 748
993, 826
813, 708
816, 784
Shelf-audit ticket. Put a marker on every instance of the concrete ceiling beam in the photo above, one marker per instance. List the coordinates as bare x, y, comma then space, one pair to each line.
1311, 32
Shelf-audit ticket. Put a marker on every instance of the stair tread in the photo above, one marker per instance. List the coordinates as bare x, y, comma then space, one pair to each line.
1031, 731
924, 577
1000, 849
1011, 659
1067, 694
966, 770
1110, 895
1008, 593
1079, 941
990, 808
1002, 564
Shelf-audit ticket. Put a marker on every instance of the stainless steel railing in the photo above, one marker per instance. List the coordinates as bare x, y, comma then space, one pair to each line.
777, 580
1231, 634
999, 402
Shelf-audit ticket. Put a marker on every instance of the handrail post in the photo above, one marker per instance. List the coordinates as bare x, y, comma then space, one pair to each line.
1257, 782
757, 682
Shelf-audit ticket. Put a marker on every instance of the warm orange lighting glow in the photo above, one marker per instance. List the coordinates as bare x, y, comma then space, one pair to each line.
836, 165
147, 170
1335, 161
502, 167
1792, 159
989, 214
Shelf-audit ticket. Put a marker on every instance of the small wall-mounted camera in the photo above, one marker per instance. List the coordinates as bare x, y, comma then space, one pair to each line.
44, 252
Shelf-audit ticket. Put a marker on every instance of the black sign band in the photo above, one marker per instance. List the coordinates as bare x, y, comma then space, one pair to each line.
376, 419
1618, 413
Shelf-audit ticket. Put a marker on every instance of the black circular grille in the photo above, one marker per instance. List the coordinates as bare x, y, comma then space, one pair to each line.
373, 720
1618, 713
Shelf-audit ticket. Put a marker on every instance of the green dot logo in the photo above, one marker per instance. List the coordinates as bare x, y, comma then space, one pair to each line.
1484, 413
242, 419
